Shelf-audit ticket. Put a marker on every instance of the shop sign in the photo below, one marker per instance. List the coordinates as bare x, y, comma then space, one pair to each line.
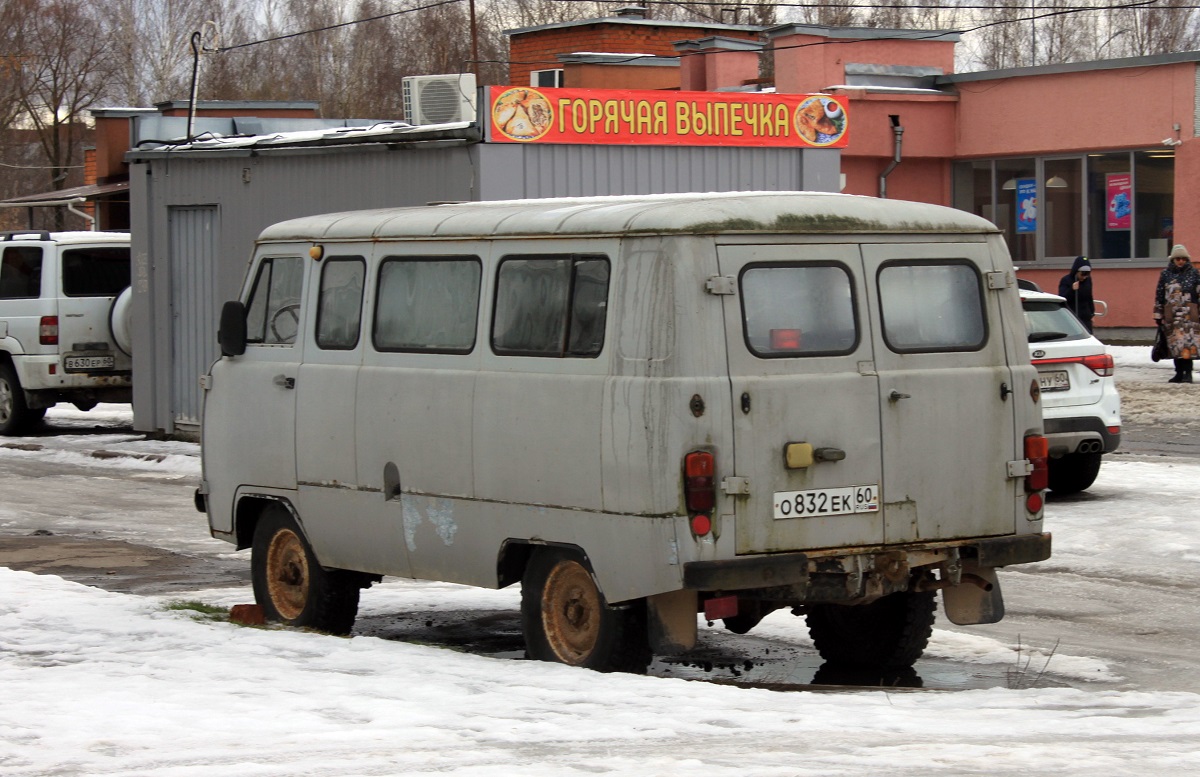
1119, 196
1026, 205
653, 118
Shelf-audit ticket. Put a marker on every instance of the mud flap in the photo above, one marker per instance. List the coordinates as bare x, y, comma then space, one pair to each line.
671, 622
968, 603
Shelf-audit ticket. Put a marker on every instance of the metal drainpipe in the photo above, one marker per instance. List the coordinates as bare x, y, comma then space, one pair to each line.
898, 132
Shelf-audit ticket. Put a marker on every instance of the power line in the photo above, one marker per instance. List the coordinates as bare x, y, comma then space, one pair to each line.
338, 26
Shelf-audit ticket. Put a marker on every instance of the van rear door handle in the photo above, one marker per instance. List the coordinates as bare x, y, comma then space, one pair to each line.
283, 381
896, 396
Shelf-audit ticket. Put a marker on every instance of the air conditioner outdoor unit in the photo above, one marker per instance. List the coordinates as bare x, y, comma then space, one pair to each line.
439, 99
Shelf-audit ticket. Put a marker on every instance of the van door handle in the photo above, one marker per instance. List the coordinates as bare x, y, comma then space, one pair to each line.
283, 381
896, 396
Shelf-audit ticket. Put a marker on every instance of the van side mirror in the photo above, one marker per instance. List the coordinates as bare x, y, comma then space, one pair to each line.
232, 334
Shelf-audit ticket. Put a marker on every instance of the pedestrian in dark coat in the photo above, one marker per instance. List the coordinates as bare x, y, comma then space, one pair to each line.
1177, 312
1076, 288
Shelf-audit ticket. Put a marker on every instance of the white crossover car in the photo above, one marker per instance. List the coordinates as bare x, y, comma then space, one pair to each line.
1081, 408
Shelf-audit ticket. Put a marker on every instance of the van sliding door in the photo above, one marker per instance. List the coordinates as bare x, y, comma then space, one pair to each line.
800, 351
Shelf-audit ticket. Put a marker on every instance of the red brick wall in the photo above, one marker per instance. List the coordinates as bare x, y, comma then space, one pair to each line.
537, 50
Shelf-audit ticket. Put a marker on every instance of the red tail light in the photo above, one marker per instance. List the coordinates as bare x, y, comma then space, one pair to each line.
1037, 450
1100, 363
48, 330
699, 481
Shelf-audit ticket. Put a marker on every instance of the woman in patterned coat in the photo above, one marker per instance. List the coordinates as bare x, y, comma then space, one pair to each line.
1177, 312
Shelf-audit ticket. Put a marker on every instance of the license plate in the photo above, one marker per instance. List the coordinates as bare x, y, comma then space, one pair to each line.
826, 501
88, 362
1054, 380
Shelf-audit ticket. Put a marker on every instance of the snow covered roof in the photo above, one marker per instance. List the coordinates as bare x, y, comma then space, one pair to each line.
379, 132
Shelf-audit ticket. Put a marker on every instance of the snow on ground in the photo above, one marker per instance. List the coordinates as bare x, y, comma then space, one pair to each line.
105, 684
96, 683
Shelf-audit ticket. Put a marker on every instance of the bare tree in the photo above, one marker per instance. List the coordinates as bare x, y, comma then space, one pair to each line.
67, 63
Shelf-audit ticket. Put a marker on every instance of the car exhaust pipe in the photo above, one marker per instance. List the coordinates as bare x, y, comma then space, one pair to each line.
1090, 446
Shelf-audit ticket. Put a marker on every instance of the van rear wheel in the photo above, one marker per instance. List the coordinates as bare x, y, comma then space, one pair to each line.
888, 633
289, 584
566, 619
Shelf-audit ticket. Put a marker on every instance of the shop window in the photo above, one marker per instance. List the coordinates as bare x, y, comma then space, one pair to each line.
1061, 213
1153, 198
1110, 203
1016, 206
973, 187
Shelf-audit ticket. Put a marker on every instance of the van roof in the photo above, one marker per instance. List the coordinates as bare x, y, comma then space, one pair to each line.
708, 213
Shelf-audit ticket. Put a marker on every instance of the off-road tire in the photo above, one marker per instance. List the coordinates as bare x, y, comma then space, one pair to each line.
1074, 472
565, 618
15, 415
889, 633
289, 584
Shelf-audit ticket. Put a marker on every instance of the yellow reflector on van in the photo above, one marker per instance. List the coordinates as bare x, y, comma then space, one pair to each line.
798, 454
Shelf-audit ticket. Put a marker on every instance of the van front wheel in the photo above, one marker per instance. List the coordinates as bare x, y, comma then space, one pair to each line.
289, 584
890, 632
566, 619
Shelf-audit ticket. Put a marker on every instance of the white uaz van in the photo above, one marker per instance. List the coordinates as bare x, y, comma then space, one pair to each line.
641, 409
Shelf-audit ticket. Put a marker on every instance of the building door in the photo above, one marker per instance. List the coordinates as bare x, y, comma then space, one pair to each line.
194, 308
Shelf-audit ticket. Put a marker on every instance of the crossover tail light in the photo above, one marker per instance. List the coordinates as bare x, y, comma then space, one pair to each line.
1099, 363
48, 330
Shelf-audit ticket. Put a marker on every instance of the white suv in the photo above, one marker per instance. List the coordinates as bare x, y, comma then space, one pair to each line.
1081, 409
64, 331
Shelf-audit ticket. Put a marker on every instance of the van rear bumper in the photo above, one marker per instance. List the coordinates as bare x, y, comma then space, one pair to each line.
788, 569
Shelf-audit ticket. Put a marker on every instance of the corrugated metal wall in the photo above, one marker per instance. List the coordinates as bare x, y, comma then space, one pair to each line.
176, 302
194, 305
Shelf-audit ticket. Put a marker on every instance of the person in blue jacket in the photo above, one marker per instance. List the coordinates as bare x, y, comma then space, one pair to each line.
1076, 288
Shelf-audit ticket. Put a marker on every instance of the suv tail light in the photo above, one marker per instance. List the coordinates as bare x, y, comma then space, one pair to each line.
1099, 363
1037, 451
700, 489
48, 330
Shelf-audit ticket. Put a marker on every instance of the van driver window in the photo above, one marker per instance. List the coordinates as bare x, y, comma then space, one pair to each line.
428, 303
932, 306
551, 305
273, 310
339, 313
798, 310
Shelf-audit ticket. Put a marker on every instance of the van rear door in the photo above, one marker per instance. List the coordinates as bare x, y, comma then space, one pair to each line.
946, 392
800, 354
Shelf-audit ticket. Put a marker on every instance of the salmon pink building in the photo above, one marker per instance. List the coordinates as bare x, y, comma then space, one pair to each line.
1099, 159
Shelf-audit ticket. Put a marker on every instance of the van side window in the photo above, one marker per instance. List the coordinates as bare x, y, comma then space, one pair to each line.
21, 273
428, 303
273, 310
551, 305
101, 271
931, 306
798, 310
339, 312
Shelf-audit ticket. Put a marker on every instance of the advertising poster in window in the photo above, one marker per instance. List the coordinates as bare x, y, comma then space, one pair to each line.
1118, 195
1026, 205
656, 118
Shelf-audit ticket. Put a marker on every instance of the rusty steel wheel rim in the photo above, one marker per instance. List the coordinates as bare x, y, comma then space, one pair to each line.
287, 574
571, 609
6, 401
